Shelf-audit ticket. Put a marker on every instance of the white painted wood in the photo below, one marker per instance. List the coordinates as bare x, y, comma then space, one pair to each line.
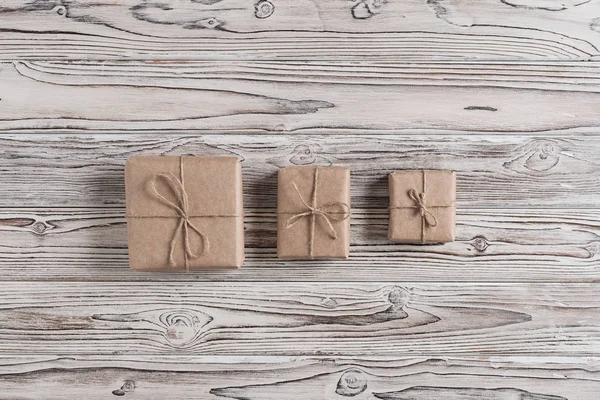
493, 171
528, 208
300, 97
301, 29
512, 245
298, 318
523, 137
270, 378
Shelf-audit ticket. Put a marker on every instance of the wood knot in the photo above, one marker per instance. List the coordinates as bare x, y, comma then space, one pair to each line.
328, 302
593, 248
480, 244
39, 227
544, 157
60, 10
399, 297
539, 156
305, 155
302, 155
180, 332
209, 23
352, 382
368, 8
264, 9
375, 6
595, 24
127, 387
182, 326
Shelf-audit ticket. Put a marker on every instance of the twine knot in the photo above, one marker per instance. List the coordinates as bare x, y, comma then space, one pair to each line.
185, 227
426, 214
326, 211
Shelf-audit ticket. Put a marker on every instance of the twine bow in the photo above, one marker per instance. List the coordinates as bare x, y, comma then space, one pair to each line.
313, 212
185, 226
426, 214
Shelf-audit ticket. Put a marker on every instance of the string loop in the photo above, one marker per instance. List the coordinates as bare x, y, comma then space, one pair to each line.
426, 214
312, 211
185, 227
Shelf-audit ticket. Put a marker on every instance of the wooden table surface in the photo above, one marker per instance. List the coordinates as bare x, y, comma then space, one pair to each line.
505, 92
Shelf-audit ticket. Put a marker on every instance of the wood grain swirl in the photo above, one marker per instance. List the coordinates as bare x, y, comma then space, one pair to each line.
266, 378
504, 92
527, 207
300, 97
296, 319
493, 245
493, 172
300, 29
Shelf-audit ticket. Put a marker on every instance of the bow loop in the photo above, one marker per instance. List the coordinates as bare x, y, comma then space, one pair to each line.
185, 226
430, 219
330, 212
413, 194
426, 214
176, 187
337, 210
420, 203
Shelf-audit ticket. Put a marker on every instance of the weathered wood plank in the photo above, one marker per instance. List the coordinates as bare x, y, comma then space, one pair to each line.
259, 97
492, 171
300, 318
274, 378
301, 29
493, 245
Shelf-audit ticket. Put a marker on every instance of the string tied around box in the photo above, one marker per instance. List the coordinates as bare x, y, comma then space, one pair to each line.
326, 212
185, 226
425, 210
426, 214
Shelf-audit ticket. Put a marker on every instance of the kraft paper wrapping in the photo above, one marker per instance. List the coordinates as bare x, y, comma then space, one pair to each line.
209, 235
323, 232
422, 206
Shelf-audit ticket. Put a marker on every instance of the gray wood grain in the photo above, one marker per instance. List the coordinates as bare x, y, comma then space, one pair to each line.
527, 207
522, 136
300, 97
492, 245
300, 318
269, 378
300, 29
493, 172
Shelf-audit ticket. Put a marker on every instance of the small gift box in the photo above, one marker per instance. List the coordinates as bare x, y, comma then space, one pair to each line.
184, 213
422, 206
313, 212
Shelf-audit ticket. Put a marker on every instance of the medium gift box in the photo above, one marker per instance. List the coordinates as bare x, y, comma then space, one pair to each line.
422, 206
313, 212
184, 213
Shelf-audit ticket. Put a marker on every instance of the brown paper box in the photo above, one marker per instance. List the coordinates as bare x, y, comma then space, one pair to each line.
214, 191
332, 198
407, 224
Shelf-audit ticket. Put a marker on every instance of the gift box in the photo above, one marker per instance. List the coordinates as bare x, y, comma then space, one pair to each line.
313, 212
184, 213
422, 206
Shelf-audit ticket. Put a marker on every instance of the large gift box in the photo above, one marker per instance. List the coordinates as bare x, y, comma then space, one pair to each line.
422, 206
184, 213
313, 212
